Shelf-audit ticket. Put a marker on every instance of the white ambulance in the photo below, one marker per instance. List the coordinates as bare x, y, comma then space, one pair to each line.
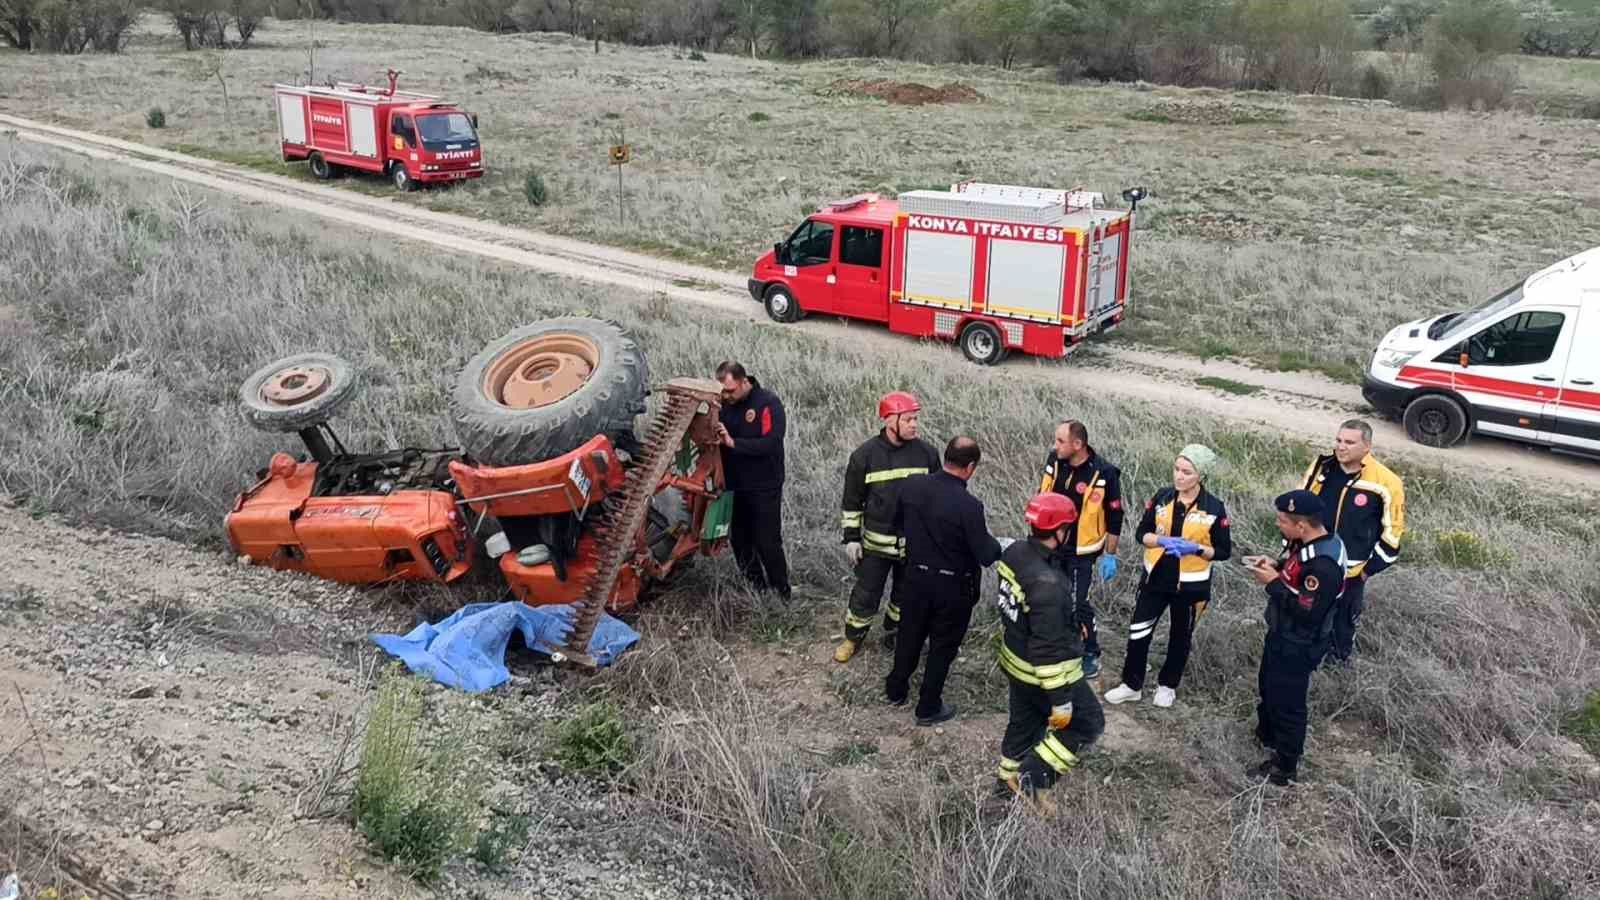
1525, 365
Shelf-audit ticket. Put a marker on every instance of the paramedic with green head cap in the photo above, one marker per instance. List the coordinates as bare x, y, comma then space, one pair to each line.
1184, 530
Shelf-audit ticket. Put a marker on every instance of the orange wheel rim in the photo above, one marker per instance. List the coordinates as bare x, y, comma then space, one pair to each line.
294, 385
541, 371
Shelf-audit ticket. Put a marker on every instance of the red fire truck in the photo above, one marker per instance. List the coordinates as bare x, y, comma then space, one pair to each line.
412, 138
993, 267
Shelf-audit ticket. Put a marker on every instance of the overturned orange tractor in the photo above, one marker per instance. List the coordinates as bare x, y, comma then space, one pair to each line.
587, 512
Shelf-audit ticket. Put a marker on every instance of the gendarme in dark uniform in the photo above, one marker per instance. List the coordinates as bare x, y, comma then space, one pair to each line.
947, 545
1303, 587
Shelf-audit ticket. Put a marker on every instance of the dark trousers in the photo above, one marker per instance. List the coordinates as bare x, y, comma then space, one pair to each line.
1080, 572
1186, 612
1347, 617
1284, 681
935, 609
1031, 749
756, 534
872, 573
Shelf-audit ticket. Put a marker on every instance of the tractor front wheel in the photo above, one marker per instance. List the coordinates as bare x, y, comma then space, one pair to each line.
298, 392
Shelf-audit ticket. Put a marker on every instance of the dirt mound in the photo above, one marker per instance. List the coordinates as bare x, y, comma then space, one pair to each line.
906, 93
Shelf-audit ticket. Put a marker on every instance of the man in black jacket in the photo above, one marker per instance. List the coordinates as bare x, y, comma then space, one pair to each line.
1054, 712
751, 430
872, 480
947, 545
1303, 588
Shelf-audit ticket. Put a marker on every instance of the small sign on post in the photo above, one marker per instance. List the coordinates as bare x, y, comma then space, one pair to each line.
621, 154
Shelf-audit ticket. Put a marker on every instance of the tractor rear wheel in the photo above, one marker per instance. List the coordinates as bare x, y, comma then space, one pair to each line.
544, 389
320, 167
298, 392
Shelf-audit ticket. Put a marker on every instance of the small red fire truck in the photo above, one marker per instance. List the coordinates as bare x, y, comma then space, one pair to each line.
412, 138
993, 267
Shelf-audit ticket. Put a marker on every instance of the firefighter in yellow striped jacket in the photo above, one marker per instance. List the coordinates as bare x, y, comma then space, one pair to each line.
1054, 714
872, 480
1364, 503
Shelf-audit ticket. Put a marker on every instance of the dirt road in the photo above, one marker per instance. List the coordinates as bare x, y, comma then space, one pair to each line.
1302, 405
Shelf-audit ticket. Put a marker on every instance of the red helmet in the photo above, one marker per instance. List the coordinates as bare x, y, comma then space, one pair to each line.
896, 402
1047, 512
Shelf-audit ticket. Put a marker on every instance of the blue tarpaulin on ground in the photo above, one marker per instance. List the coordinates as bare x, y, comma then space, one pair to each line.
467, 650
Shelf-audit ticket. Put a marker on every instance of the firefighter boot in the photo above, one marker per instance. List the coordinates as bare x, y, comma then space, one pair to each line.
844, 651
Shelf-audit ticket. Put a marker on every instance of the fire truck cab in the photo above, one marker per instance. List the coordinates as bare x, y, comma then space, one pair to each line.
412, 138
993, 267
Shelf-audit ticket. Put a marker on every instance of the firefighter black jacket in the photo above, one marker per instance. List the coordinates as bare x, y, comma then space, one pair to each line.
872, 480
754, 463
1042, 646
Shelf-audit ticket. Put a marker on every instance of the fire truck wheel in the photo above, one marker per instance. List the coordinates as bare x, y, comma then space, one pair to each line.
320, 167
981, 343
781, 305
298, 391
1435, 420
544, 389
402, 180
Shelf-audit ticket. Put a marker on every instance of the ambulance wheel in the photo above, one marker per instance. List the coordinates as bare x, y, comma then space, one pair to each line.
1435, 420
320, 167
781, 305
981, 343
542, 390
402, 179
298, 391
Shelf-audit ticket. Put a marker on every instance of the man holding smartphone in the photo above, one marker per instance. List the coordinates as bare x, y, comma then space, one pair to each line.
1303, 588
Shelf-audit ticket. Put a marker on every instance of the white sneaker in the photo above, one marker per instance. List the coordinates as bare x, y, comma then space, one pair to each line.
1122, 694
1165, 696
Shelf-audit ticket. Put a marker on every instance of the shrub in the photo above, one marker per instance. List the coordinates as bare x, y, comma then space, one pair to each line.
1375, 83
1465, 44
535, 190
506, 832
696, 56
594, 741
760, 117
155, 118
415, 799
1465, 550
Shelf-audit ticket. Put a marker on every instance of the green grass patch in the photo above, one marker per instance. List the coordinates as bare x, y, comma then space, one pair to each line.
594, 741
759, 117
1151, 115
1466, 550
1583, 724
1374, 173
1228, 385
417, 795
250, 159
851, 753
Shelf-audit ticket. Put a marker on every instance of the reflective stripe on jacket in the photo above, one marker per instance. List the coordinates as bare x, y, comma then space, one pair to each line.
1370, 513
872, 480
1205, 523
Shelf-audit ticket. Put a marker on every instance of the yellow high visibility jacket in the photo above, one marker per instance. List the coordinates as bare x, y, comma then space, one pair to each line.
1369, 514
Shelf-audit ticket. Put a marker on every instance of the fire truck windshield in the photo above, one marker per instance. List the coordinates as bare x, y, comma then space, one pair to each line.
440, 129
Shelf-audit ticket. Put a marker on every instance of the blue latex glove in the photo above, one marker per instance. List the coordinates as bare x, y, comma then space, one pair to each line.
1108, 567
1181, 547
1167, 544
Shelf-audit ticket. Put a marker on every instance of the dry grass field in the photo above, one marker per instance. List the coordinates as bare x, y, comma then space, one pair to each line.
1454, 759
1289, 230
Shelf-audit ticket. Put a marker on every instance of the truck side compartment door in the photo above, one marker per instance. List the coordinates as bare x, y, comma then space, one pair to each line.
809, 265
1574, 418
1513, 371
862, 291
